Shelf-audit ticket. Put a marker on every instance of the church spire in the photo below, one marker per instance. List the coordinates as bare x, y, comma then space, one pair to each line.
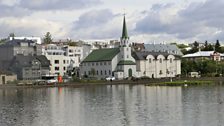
124, 37
124, 30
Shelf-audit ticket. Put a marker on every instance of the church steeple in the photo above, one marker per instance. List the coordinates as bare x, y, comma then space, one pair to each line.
124, 37
124, 30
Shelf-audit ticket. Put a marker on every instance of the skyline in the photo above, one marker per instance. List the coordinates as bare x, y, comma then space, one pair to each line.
147, 20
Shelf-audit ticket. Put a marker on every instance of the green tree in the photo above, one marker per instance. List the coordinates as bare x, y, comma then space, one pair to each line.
205, 46
217, 46
47, 38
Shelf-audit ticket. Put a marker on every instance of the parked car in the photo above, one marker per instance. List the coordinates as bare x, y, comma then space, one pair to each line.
51, 81
110, 78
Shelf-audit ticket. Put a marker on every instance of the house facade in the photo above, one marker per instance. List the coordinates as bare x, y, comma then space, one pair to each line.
29, 67
157, 65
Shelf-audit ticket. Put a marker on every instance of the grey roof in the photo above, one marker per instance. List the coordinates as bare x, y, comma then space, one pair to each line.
25, 61
142, 55
16, 42
171, 49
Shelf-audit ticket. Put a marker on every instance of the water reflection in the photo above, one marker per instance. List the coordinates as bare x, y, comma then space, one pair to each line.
113, 106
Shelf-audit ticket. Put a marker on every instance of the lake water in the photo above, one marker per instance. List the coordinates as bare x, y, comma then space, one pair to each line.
121, 105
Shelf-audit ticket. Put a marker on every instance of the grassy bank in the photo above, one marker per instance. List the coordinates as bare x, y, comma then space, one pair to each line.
183, 83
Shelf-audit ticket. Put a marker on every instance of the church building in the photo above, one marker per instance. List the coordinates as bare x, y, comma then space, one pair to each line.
117, 62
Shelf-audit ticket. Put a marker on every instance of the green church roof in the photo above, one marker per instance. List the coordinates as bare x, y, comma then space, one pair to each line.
124, 30
126, 62
102, 55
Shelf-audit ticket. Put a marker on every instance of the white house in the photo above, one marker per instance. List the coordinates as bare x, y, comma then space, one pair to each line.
201, 55
157, 65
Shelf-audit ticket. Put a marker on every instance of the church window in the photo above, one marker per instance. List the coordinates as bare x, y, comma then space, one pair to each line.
92, 64
105, 72
109, 72
160, 60
97, 64
97, 72
171, 60
150, 60
101, 72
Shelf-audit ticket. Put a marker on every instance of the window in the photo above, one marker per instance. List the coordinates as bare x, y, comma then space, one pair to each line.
127, 56
85, 73
101, 72
109, 63
97, 72
109, 72
105, 63
92, 64
97, 63
105, 72
56, 68
127, 49
64, 61
56, 61
101, 63
150, 60
160, 60
64, 68
171, 60
89, 72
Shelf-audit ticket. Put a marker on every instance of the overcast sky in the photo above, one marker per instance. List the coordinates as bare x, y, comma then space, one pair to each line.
147, 20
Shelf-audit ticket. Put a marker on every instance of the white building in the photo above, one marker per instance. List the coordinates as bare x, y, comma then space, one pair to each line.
37, 40
202, 55
63, 58
157, 65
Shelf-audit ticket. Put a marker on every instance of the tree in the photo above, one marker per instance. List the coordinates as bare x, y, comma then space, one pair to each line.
206, 46
217, 46
47, 38
11, 35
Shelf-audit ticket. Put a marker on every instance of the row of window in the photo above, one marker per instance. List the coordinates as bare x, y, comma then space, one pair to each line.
96, 63
58, 68
100, 72
160, 60
64, 61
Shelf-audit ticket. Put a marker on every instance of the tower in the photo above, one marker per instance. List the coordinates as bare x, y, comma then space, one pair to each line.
124, 37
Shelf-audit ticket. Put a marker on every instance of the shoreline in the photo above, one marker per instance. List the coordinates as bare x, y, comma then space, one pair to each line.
147, 82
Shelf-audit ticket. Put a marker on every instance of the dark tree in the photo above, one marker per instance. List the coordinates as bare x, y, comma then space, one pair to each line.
217, 46
47, 38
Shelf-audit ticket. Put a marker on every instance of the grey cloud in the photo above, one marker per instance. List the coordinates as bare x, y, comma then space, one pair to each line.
27, 7
95, 24
57, 4
188, 23
7, 11
93, 18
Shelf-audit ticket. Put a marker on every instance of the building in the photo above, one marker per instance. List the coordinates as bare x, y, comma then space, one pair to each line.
15, 47
157, 65
7, 77
37, 40
202, 55
64, 58
116, 62
29, 67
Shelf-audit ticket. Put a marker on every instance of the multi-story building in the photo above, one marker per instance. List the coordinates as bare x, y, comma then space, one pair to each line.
64, 59
16, 47
29, 67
